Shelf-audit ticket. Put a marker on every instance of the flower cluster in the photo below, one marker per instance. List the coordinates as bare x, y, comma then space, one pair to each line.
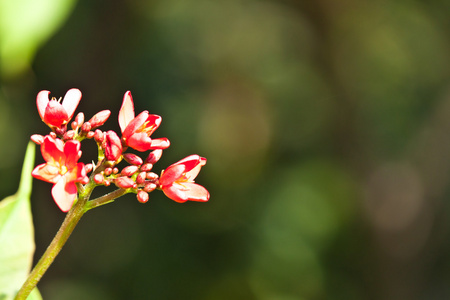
61, 150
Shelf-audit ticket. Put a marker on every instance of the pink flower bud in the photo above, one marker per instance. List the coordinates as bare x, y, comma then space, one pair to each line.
112, 146
85, 180
129, 170
149, 187
88, 168
133, 159
90, 135
154, 156
86, 127
141, 178
99, 118
142, 196
74, 125
79, 119
106, 183
53, 135
125, 182
37, 138
69, 135
98, 178
108, 171
115, 170
146, 167
99, 136
152, 176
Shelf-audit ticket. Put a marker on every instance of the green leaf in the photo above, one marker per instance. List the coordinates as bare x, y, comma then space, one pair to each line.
24, 26
17, 234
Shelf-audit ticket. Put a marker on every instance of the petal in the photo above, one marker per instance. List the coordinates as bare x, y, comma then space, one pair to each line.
55, 114
46, 173
171, 174
152, 123
162, 143
126, 112
52, 150
135, 124
71, 152
41, 102
76, 174
140, 142
113, 146
175, 194
191, 174
196, 192
186, 192
64, 193
189, 162
70, 101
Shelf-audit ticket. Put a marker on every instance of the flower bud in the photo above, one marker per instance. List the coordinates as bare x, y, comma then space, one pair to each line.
99, 118
79, 119
129, 170
106, 183
53, 135
154, 156
90, 135
108, 171
99, 136
146, 167
142, 196
98, 178
112, 146
88, 168
152, 176
37, 139
74, 125
125, 182
69, 135
133, 159
149, 187
85, 180
141, 178
115, 170
86, 127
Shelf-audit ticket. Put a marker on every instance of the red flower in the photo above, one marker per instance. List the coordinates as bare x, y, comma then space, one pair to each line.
136, 131
177, 181
54, 113
61, 169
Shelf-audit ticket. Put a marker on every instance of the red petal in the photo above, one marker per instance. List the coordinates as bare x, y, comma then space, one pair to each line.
41, 102
135, 124
52, 150
71, 151
64, 193
152, 123
70, 102
175, 194
55, 114
140, 142
171, 174
126, 113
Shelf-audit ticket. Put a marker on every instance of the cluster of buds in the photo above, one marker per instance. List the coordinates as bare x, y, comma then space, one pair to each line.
61, 149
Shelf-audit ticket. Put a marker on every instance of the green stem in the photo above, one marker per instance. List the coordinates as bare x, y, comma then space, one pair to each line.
66, 229
108, 198
71, 220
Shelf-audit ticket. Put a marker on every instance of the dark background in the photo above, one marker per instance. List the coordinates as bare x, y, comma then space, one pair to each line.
326, 125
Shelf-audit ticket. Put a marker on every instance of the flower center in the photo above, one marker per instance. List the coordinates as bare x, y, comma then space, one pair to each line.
63, 170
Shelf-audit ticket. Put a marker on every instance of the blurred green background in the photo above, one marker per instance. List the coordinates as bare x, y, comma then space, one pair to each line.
326, 126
